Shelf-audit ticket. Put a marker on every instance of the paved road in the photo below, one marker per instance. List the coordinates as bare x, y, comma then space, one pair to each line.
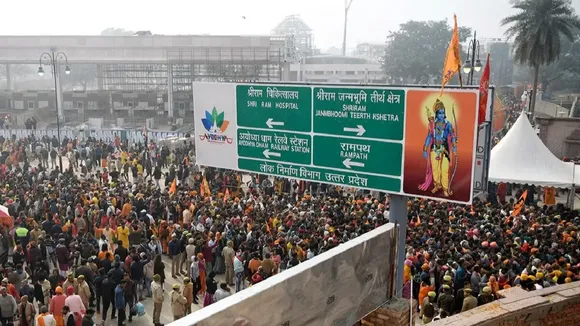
166, 315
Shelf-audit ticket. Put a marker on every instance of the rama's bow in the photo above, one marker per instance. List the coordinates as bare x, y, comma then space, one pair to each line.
455, 153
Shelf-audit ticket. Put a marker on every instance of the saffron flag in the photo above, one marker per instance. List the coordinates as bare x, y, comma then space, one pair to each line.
144, 131
519, 205
483, 90
452, 58
173, 187
205, 188
418, 221
227, 195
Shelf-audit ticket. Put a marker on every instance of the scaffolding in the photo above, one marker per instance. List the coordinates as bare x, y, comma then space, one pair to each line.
172, 81
223, 65
295, 29
185, 65
133, 77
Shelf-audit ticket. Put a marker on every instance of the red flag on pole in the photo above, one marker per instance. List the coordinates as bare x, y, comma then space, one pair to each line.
483, 91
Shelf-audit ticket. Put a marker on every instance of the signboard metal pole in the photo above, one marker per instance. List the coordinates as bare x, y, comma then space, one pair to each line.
398, 214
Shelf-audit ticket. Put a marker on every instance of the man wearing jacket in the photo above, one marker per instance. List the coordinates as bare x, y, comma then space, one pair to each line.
107, 296
174, 253
120, 302
8, 307
158, 296
137, 275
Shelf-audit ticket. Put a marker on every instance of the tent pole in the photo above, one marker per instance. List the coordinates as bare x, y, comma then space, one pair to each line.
573, 194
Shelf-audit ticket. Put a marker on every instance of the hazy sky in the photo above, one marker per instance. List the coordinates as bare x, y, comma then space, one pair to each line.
369, 20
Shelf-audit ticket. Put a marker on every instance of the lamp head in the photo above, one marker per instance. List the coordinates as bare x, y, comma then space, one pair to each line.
67, 70
40, 71
467, 67
477, 66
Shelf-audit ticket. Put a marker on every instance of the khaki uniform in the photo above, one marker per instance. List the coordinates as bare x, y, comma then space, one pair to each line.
229, 254
74, 284
85, 293
188, 294
158, 296
178, 303
469, 302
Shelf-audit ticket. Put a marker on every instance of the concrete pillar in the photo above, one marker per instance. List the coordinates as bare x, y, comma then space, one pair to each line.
299, 74
398, 214
81, 113
100, 77
170, 90
286, 71
111, 106
8, 77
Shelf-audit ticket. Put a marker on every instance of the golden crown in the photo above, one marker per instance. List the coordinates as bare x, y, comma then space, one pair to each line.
438, 106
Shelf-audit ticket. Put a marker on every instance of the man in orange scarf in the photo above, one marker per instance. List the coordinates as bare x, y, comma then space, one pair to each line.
45, 319
56, 304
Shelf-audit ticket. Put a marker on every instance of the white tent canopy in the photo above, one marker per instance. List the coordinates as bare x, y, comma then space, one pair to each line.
521, 157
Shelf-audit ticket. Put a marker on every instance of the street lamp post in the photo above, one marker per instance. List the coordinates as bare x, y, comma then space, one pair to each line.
473, 64
52, 59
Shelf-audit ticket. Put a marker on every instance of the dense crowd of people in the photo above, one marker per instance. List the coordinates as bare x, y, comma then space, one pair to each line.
91, 238
460, 257
99, 229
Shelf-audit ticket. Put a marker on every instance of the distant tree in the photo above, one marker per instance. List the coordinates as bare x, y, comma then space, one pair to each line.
538, 29
17, 72
81, 75
111, 31
416, 52
564, 73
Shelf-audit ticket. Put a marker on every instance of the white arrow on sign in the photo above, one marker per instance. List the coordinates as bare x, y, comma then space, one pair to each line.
267, 153
348, 163
360, 130
271, 123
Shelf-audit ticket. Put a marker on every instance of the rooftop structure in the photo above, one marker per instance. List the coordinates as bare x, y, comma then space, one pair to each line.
337, 69
163, 64
295, 31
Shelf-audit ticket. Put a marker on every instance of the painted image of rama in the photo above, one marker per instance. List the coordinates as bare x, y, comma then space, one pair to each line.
439, 149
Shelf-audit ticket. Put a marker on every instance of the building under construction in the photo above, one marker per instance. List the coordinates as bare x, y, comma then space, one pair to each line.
296, 34
220, 64
152, 75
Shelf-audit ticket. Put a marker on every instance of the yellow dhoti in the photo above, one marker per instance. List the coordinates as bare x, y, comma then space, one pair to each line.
440, 170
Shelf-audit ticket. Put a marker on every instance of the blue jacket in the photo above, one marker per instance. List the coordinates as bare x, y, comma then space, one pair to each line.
119, 298
174, 248
137, 269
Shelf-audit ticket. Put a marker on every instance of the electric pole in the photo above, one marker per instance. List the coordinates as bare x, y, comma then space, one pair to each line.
347, 4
